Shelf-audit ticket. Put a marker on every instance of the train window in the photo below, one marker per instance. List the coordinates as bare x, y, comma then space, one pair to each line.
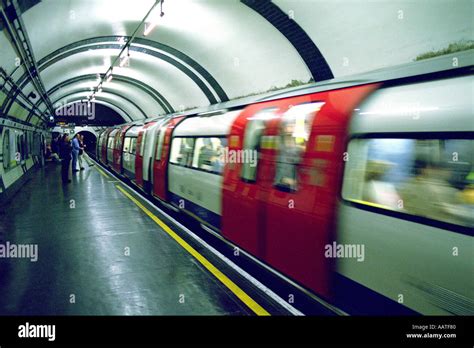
253, 133
182, 151
101, 140
142, 143
431, 178
110, 143
6, 148
133, 145
208, 154
126, 144
118, 140
295, 129
25, 146
19, 146
161, 138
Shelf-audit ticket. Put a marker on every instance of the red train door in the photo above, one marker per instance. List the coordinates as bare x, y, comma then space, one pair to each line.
103, 158
139, 155
160, 162
243, 199
118, 147
283, 211
290, 237
303, 190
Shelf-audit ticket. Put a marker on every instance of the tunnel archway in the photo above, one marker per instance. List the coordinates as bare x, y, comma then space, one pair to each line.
90, 140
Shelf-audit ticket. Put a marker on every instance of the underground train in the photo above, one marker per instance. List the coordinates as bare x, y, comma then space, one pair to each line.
21, 149
360, 190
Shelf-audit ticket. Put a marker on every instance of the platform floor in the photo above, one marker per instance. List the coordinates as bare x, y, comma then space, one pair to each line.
83, 231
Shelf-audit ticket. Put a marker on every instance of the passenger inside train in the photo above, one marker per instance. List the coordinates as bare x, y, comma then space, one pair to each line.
420, 177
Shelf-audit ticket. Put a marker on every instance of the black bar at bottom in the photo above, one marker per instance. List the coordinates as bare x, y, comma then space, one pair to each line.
241, 330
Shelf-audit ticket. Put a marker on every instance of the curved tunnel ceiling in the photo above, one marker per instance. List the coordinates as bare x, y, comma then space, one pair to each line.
208, 85
155, 95
207, 51
121, 98
191, 59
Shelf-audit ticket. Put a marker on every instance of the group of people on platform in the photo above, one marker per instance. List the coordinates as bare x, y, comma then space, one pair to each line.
66, 151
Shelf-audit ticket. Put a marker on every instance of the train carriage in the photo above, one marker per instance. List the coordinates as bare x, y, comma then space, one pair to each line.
161, 159
321, 183
293, 184
141, 175
129, 151
413, 240
196, 164
119, 139
146, 148
111, 146
102, 145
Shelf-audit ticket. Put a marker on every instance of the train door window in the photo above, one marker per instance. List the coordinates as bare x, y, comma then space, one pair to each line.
182, 151
15, 155
295, 129
133, 145
25, 145
6, 149
118, 140
161, 138
126, 144
431, 178
143, 142
209, 154
19, 146
110, 144
252, 136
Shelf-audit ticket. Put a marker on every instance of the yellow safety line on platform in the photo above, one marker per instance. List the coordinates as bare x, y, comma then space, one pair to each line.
101, 172
254, 306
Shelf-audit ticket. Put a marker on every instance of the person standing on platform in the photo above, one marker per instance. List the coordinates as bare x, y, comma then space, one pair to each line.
55, 144
81, 150
76, 147
65, 152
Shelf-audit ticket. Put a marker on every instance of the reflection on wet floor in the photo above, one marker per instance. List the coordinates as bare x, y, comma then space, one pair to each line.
98, 254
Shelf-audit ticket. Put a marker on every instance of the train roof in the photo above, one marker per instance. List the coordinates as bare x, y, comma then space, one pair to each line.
436, 106
464, 61
455, 63
448, 65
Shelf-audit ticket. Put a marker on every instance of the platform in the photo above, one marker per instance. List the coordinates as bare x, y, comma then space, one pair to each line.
99, 253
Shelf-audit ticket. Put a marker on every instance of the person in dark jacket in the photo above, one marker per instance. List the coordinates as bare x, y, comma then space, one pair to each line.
55, 144
65, 149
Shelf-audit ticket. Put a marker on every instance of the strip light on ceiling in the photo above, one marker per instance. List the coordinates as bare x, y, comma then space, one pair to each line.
109, 76
125, 59
124, 55
149, 26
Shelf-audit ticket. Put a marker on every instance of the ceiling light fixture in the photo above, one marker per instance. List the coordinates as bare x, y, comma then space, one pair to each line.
149, 26
125, 58
108, 76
